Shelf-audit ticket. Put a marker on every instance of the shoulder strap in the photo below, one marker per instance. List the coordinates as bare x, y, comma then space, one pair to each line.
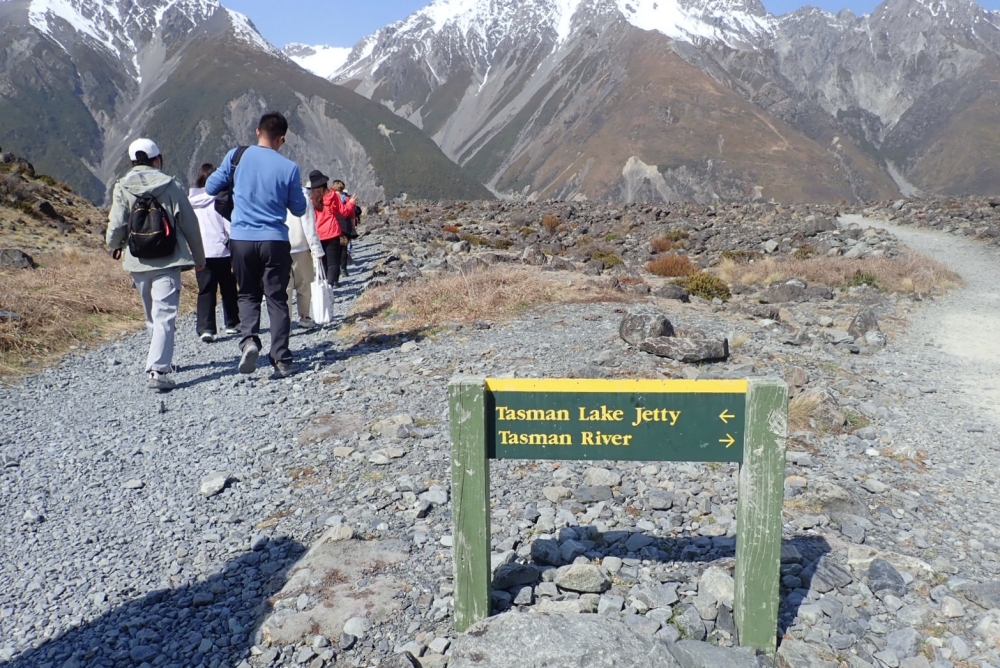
236, 161
239, 154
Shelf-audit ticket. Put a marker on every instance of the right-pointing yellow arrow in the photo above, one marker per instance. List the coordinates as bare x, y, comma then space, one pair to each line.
728, 440
726, 416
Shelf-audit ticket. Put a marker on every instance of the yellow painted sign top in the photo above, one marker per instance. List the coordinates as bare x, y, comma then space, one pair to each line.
616, 386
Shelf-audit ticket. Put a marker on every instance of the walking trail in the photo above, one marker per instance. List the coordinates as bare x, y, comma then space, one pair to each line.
962, 327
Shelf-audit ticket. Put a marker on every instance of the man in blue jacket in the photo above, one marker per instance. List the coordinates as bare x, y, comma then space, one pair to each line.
266, 187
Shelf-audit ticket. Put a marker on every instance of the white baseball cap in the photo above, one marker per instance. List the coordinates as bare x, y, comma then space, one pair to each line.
143, 145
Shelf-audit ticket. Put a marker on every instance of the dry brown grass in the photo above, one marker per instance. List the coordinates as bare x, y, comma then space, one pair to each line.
906, 273
673, 266
661, 244
452, 229
550, 224
496, 293
802, 409
74, 298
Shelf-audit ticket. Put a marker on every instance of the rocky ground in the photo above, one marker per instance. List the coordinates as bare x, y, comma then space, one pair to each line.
307, 521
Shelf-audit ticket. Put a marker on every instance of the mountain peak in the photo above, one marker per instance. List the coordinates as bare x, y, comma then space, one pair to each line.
122, 28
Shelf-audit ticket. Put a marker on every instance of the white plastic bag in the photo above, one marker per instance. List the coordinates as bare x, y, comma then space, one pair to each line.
321, 308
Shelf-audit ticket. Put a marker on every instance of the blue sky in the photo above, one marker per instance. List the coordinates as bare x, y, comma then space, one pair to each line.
344, 22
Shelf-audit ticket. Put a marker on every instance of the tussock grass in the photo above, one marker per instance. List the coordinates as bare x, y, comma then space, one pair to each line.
673, 265
802, 409
74, 298
906, 273
497, 293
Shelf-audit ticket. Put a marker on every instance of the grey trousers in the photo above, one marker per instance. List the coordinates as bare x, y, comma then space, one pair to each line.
161, 295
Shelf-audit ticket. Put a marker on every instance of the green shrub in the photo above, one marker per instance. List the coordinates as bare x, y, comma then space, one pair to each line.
864, 278
804, 253
705, 285
607, 257
502, 243
474, 239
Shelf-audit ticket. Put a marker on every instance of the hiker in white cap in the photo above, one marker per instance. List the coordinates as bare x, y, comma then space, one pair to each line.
153, 228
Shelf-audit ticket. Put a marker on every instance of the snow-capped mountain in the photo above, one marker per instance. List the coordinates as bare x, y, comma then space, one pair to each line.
848, 103
80, 79
324, 61
124, 29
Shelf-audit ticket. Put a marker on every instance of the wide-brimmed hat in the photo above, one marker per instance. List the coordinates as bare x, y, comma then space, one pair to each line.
317, 179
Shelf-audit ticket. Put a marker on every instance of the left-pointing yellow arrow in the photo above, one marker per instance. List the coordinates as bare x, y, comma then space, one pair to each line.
726, 416
728, 440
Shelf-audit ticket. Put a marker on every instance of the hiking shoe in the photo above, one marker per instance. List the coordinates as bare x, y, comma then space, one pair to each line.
248, 360
307, 323
207, 337
344, 272
283, 369
229, 331
160, 381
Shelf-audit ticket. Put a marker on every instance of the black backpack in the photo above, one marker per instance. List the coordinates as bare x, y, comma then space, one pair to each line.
224, 201
150, 234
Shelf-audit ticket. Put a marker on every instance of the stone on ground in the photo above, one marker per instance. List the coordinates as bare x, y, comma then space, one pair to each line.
689, 351
637, 326
691, 654
556, 641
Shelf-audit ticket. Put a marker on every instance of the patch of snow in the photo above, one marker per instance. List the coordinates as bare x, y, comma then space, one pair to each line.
247, 32
727, 23
323, 61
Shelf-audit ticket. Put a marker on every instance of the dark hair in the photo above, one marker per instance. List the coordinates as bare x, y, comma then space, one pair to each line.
273, 124
143, 160
203, 174
338, 185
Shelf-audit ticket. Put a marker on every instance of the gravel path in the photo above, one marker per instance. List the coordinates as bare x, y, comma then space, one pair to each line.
962, 327
114, 557
101, 505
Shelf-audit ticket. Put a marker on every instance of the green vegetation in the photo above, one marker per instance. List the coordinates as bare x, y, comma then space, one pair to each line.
864, 278
609, 258
705, 285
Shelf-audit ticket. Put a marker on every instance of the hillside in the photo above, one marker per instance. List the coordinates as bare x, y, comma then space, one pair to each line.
81, 84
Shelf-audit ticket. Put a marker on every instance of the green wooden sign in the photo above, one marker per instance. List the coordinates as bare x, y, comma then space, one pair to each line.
632, 420
640, 420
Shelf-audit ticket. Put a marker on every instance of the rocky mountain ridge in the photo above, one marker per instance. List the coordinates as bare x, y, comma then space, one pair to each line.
868, 106
81, 79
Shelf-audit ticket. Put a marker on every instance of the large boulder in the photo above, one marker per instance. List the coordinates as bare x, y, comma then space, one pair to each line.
693, 654
864, 322
15, 259
637, 326
550, 640
687, 350
792, 290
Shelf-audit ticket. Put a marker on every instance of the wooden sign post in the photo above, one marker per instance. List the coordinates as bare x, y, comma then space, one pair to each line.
742, 421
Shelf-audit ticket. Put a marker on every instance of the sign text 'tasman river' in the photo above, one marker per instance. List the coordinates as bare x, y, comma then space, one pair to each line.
637, 420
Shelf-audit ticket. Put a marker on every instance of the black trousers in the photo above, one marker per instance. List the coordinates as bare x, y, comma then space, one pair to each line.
334, 254
262, 270
217, 276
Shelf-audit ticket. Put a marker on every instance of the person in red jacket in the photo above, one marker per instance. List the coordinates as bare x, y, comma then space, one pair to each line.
329, 205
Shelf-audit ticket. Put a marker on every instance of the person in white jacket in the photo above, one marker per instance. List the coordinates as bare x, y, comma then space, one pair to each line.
305, 246
218, 272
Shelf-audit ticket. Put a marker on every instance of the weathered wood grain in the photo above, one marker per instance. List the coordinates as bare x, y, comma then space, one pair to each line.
470, 500
758, 514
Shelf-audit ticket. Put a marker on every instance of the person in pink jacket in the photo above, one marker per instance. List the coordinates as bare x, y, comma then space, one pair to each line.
218, 272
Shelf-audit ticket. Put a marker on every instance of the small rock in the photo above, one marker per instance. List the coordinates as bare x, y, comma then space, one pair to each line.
213, 483
582, 578
357, 627
602, 477
134, 484
32, 516
882, 576
874, 486
510, 576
